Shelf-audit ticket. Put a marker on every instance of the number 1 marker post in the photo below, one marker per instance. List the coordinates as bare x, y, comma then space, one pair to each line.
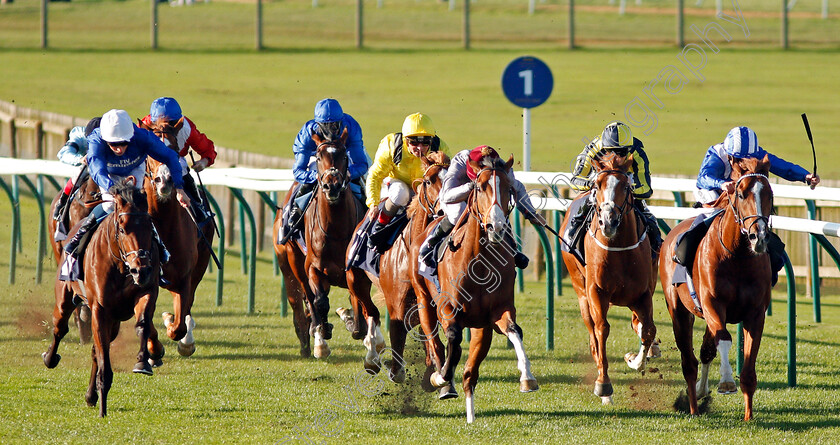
527, 82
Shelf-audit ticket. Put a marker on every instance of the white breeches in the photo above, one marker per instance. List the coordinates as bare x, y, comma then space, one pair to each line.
454, 210
396, 191
138, 174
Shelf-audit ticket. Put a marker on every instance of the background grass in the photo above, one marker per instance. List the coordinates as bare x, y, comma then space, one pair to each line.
247, 384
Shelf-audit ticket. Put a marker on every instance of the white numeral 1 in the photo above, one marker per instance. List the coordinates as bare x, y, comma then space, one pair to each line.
528, 76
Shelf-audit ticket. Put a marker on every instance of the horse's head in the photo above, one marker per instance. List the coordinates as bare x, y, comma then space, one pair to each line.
332, 162
166, 130
133, 232
752, 201
428, 187
612, 190
492, 195
161, 178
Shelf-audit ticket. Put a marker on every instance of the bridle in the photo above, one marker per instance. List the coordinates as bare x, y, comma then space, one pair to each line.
622, 209
345, 178
473, 203
743, 225
123, 255
428, 205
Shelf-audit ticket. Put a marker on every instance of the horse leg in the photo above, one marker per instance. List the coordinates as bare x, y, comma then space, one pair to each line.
319, 306
480, 340
358, 285
397, 336
454, 336
180, 324
707, 354
61, 316
434, 347
507, 325
296, 297
144, 311
155, 347
102, 375
753, 329
718, 339
92, 396
374, 343
82, 318
599, 331
642, 323
683, 325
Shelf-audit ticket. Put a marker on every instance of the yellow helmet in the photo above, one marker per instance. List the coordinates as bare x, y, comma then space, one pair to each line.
616, 135
418, 124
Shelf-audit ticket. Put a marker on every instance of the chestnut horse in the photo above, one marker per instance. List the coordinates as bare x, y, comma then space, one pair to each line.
477, 285
619, 268
329, 223
394, 266
120, 281
189, 254
86, 197
732, 280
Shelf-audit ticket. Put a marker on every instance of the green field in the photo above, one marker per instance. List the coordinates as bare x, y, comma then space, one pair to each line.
247, 384
257, 101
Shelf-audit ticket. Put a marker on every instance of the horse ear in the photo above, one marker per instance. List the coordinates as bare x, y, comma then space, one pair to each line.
737, 168
509, 162
425, 161
764, 165
180, 124
317, 138
596, 163
344, 135
474, 165
142, 124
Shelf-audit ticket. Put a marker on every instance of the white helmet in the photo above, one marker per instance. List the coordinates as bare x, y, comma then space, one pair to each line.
116, 126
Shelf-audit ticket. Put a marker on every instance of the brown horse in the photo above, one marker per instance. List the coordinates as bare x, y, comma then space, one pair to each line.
619, 268
732, 280
329, 221
85, 198
189, 254
477, 285
120, 281
394, 267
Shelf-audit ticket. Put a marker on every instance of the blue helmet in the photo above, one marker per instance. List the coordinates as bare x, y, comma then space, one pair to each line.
741, 142
165, 107
328, 110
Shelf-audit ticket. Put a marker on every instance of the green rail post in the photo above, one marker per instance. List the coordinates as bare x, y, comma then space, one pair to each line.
13, 236
814, 263
549, 289
829, 249
220, 222
558, 266
271, 202
42, 230
517, 231
16, 192
243, 255
284, 296
252, 267
791, 325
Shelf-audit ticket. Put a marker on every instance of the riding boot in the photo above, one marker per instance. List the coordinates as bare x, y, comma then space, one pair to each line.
577, 220
386, 214
295, 212
195, 199
776, 249
90, 222
652, 226
59, 206
430, 246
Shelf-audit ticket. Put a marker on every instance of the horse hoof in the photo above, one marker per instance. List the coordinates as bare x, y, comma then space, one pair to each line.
630, 358
528, 386
447, 392
305, 352
606, 400
437, 380
603, 389
346, 315
143, 367
168, 319
322, 351
51, 361
372, 367
654, 351
727, 388
91, 399
186, 350
397, 377
425, 384
155, 363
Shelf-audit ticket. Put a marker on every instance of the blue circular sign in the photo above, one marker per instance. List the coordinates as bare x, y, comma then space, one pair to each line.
527, 82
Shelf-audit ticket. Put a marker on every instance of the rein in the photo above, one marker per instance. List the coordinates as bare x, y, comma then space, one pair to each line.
345, 178
473, 206
622, 209
743, 226
123, 255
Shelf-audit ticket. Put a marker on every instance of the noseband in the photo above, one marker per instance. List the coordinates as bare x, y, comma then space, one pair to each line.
123, 255
473, 206
623, 207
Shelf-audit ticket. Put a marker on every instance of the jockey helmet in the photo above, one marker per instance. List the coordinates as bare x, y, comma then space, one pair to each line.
418, 124
116, 126
616, 135
93, 124
741, 142
328, 110
165, 107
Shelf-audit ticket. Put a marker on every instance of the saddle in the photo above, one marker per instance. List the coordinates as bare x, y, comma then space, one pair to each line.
365, 258
685, 249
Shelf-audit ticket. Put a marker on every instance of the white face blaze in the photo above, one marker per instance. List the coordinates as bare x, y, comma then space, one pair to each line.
609, 225
758, 239
163, 181
496, 220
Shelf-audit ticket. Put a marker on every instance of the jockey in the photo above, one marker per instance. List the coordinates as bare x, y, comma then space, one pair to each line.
457, 185
73, 153
716, 176
118, 150
397, 164
741, 142
188, 138
328, 115
616, 139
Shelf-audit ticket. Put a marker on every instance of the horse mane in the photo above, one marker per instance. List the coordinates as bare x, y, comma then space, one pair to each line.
741, 167
132, 196
437, 159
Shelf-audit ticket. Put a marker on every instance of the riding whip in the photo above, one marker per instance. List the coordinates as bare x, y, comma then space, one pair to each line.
810, 138
204, 202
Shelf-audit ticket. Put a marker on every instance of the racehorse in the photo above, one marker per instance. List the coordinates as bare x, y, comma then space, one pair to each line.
189, 254
87, 195
619, 269
328, 223
732, 280
394, 266
120, 281
476, 285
